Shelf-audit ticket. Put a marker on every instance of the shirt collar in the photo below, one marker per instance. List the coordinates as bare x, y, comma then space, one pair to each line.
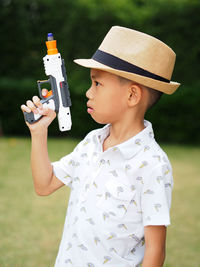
133, 145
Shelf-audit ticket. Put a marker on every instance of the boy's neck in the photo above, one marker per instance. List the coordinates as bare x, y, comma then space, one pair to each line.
121, 132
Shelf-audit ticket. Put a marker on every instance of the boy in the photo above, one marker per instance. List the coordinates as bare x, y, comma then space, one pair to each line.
120, 178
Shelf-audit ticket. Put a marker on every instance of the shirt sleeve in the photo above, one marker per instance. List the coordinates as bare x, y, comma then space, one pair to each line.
63, 169
156, 196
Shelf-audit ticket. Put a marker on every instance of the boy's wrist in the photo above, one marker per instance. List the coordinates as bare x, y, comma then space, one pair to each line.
42, 132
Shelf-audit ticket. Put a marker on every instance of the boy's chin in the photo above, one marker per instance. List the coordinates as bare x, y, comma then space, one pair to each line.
100, 120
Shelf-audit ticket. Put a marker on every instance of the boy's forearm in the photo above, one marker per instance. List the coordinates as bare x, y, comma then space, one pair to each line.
153, 257
40, 164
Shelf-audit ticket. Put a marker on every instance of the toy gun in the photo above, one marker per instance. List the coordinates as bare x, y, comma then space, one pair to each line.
58, 98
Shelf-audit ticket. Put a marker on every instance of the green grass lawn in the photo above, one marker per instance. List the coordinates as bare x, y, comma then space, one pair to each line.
31, 226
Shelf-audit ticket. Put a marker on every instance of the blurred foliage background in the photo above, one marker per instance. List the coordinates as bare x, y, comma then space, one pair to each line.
79, 27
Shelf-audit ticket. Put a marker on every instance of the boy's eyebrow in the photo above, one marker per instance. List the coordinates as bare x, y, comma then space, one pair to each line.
94, 76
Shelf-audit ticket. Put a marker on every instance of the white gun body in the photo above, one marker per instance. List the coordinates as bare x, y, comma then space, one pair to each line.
54, 67
60, 100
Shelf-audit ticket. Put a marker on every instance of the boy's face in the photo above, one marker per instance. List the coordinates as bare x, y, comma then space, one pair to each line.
107, 97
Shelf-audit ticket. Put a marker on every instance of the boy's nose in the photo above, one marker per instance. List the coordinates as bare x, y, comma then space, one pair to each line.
89, 93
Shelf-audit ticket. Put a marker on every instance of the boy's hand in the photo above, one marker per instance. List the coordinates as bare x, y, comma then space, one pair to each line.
36, 107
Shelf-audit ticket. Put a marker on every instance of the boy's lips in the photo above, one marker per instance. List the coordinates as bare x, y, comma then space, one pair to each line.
89, 108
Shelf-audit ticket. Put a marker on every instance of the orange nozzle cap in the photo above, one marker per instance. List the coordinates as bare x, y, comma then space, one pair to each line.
48, 94
52, 47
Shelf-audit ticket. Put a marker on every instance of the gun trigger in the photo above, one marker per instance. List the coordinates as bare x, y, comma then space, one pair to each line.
50, 93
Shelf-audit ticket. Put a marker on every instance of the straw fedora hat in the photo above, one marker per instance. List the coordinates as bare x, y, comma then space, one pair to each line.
135, 56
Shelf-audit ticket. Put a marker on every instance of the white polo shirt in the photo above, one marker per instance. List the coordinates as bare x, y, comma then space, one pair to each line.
114, 194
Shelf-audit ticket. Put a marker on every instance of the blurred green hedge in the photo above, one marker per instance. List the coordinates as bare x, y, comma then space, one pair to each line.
79, 27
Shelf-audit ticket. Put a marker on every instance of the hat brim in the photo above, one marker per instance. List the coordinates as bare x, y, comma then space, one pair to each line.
167, 88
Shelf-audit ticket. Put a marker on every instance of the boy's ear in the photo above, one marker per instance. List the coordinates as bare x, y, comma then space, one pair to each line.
134, 95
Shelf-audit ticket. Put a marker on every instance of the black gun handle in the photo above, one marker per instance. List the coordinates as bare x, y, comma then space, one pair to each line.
32, 117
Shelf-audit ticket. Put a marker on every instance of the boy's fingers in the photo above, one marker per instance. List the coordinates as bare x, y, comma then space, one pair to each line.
24, 108
44, 92
37, 102
48, 112
32, 106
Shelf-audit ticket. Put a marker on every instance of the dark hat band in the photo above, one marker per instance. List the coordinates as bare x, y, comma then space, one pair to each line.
120, 64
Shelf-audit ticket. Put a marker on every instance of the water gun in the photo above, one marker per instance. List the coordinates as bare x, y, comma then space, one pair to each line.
58, 98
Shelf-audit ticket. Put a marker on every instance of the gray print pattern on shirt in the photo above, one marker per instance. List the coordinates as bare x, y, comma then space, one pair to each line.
106, 259
144, 163
122, 225
74, 163
83, 247
91, 221
68, 261
76, 179
119, 190
115, 195
111, 236
127, 167
133, 187
133, 202
113, 250
112, 213
74, 235
146, 148
67, 176
95, 185
114, 173
157, 206
165, 170
84, 155
149, 192
102, 162
140, 179
105, 215
138, 142
87, 141
87, 186
158, 157
96, 240
133, 236
107, 195
75, 219
159, 179
83, 209
69, 245
122, 206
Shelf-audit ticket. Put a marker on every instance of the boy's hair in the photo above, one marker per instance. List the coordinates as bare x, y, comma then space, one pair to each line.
154, 95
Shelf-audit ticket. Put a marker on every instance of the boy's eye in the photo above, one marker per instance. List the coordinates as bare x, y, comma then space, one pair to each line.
96, 83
